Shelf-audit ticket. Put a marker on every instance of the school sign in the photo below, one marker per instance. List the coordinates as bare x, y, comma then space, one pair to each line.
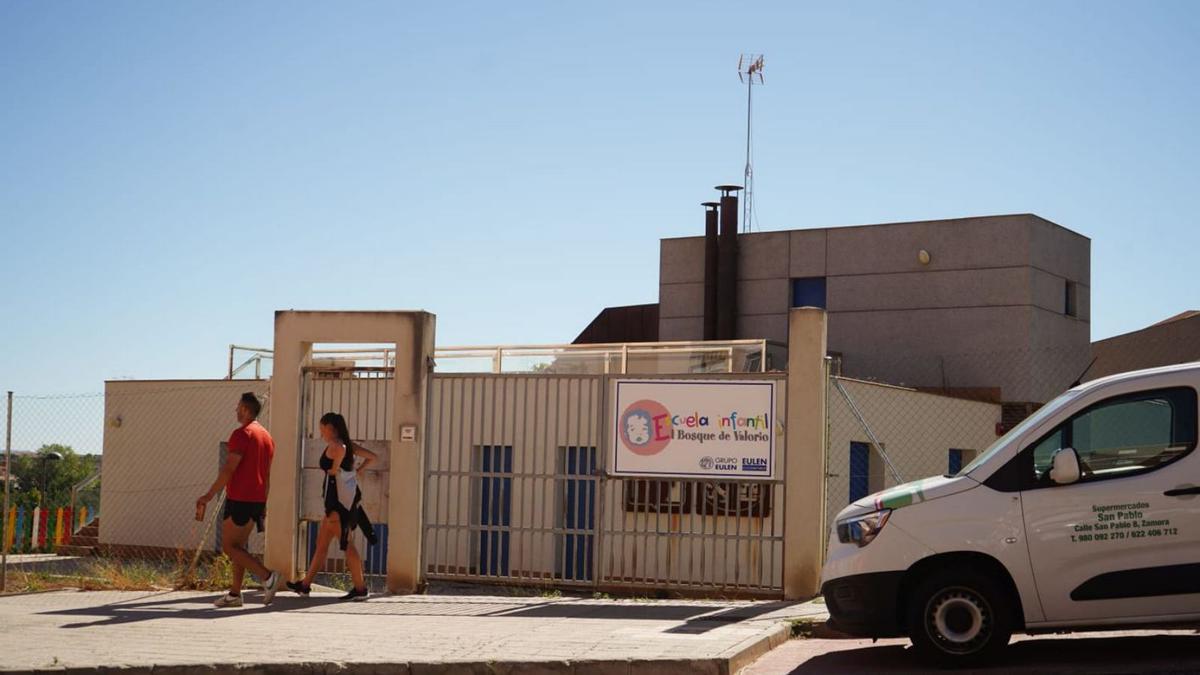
694, 428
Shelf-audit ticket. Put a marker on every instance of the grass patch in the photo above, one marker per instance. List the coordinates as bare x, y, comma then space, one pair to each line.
803, 629
115, 574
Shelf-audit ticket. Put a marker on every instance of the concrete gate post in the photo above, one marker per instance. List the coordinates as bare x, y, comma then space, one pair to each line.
412, 335
804, 477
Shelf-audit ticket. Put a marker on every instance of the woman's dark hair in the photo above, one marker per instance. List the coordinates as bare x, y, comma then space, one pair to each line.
339, 425
250, 400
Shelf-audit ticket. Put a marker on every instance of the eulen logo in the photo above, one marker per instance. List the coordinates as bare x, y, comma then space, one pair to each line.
707, 463
646, 427
754, 464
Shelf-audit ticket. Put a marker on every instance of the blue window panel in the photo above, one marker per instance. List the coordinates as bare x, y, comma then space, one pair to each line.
955, 464
860, 470
313, 529
579, 509
808, 292
495, 506
376, 560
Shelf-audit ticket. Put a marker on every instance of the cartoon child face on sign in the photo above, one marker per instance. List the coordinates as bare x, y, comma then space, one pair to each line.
645, 427
637, 427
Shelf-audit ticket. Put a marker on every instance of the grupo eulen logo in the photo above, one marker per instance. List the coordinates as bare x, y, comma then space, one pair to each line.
646, 427
707, 463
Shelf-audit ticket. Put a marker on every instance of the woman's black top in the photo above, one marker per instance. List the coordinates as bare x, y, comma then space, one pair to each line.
332, 504
349, 518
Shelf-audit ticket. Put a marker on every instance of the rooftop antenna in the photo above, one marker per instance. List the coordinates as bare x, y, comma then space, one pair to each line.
750, 72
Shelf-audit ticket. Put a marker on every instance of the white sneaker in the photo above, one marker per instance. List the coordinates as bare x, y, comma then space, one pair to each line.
270, 587
228, 600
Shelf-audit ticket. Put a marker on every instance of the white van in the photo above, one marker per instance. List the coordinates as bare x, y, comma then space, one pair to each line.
1086, 514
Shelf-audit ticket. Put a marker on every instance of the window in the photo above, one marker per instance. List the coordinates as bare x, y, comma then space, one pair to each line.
956, 458
1071, 300
1122, 436
860, 470
808, 292
492, 508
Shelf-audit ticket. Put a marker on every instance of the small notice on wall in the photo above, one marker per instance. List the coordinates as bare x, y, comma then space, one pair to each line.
694, 428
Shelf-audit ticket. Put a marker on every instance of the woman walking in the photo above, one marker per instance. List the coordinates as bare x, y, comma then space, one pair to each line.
343, 509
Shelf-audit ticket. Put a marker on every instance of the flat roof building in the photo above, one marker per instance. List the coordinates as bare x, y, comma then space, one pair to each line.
992, 306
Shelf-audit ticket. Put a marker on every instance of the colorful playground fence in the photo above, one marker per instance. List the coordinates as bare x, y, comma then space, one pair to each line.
38, 529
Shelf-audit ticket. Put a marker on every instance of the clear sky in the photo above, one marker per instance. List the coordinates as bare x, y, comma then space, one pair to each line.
172, 173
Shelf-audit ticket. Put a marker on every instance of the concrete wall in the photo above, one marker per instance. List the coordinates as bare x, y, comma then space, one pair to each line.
917, 431
162, 445
987, 311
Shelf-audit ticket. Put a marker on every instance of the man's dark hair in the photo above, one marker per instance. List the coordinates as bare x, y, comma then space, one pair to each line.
252, 403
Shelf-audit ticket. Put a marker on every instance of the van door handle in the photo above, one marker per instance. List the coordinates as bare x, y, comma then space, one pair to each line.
1180, 492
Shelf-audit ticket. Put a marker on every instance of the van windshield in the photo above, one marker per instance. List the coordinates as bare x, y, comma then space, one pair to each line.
1028, 423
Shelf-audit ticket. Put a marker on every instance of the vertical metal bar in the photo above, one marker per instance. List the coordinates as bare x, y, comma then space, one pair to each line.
737, 545
600, 536
490, 443
509, 468
230, 376
7, 480
466, 456
592, 496
528, 417
541, 422
445, 444
602, 512
762, 358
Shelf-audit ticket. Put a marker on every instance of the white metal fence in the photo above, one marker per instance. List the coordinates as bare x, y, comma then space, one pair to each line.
517, 493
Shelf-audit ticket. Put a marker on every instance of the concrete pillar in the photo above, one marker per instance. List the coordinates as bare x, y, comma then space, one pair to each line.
411, 335
280, 545
406, 477
804, 475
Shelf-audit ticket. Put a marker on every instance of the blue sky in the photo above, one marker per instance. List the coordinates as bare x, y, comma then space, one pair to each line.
172, 173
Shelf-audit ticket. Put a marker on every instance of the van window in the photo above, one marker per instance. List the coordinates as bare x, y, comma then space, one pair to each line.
1123, 435
1028, 423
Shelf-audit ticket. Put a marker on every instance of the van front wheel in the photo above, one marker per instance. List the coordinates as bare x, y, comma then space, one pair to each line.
958, 618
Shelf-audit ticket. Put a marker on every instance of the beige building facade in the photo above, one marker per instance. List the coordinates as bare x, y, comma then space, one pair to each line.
999, 302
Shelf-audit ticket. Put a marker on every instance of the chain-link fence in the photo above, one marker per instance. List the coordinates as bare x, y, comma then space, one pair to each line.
109, 481
932, 415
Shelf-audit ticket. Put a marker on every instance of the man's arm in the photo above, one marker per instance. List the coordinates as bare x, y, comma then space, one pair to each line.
231, 463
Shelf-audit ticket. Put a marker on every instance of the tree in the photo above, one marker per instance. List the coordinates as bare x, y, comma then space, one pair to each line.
36, 472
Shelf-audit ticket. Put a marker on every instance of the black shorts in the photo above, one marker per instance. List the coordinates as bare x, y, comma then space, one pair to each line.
244, 512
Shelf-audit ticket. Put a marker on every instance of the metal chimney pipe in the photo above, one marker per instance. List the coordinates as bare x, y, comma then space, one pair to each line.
727, 264
711, 214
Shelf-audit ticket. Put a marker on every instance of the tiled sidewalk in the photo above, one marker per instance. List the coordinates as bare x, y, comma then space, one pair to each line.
108, 630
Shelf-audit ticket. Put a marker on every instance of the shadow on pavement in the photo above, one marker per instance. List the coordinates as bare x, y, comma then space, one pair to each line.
195, 607
1133, 654
696, 619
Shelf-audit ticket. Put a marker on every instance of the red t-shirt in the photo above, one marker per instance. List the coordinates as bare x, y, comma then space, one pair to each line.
249, 482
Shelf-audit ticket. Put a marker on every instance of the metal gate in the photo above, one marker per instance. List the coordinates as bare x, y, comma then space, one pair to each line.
364, 397
516, 493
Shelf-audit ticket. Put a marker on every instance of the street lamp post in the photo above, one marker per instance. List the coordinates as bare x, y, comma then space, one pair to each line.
45, 458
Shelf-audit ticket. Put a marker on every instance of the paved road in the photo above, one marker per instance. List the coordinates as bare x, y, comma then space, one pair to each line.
1175, 651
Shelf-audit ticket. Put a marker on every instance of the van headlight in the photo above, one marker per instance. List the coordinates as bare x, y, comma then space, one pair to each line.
862, 530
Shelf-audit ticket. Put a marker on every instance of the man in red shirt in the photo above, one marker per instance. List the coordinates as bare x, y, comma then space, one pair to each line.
246, 478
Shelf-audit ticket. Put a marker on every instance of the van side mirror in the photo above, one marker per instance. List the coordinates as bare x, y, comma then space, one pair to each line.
1064, 467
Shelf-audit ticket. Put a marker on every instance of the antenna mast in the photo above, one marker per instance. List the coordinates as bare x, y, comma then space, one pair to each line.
750, 68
